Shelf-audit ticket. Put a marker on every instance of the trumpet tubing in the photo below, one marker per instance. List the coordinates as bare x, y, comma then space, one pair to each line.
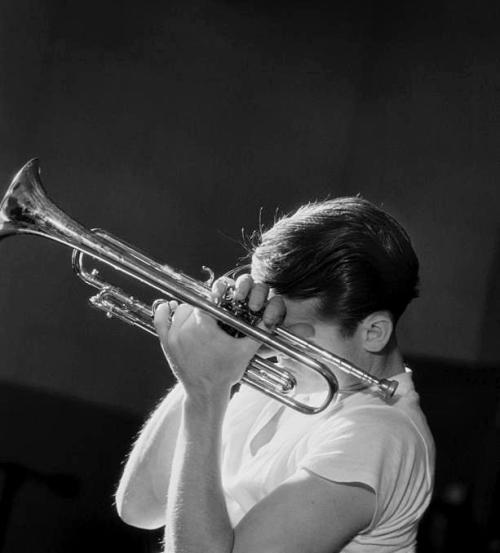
26, 209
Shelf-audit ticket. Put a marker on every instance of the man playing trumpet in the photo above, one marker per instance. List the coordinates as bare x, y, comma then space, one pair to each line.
246, 474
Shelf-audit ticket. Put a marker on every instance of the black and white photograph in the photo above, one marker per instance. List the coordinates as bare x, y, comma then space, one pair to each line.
249, 276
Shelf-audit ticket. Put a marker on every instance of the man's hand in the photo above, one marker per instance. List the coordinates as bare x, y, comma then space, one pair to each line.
204, 358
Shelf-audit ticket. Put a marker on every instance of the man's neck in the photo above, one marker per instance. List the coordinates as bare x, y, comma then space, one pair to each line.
388, 363
385, 364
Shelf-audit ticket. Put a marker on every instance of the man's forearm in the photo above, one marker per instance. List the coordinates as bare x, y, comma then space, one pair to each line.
197, 518
142, 493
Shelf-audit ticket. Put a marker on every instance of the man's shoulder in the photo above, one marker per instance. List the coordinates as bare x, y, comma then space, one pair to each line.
372, 418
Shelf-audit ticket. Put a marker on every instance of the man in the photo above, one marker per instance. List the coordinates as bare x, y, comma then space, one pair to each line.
246, 474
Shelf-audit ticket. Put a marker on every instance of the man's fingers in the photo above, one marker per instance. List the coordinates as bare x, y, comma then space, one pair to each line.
219, 288
182, 313
242, 287
162, 317
256, 292
274, 313
258, 296
170, 314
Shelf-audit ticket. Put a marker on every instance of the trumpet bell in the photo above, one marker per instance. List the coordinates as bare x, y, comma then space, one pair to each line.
23, 197
26, 209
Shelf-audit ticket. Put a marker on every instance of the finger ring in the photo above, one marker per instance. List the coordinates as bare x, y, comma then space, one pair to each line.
157, 304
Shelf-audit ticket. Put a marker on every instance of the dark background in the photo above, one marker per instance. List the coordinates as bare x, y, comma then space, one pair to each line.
176, 124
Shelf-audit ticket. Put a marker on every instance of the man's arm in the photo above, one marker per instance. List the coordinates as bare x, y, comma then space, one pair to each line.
306, 513
196, 515
142, 492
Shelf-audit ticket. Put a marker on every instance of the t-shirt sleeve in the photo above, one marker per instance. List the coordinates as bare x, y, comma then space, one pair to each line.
365, 446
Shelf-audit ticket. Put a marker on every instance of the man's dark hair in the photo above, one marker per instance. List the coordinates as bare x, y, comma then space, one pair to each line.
352, 256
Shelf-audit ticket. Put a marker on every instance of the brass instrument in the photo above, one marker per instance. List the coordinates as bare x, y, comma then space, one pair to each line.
26, 209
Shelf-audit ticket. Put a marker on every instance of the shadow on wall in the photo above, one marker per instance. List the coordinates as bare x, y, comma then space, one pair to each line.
59, 464
460, 403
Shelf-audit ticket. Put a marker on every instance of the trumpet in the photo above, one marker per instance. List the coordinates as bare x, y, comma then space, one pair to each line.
26, 209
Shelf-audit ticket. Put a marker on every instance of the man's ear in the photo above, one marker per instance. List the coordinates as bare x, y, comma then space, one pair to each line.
376, 331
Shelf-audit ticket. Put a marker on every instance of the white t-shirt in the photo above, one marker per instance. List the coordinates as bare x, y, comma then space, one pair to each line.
361, 438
